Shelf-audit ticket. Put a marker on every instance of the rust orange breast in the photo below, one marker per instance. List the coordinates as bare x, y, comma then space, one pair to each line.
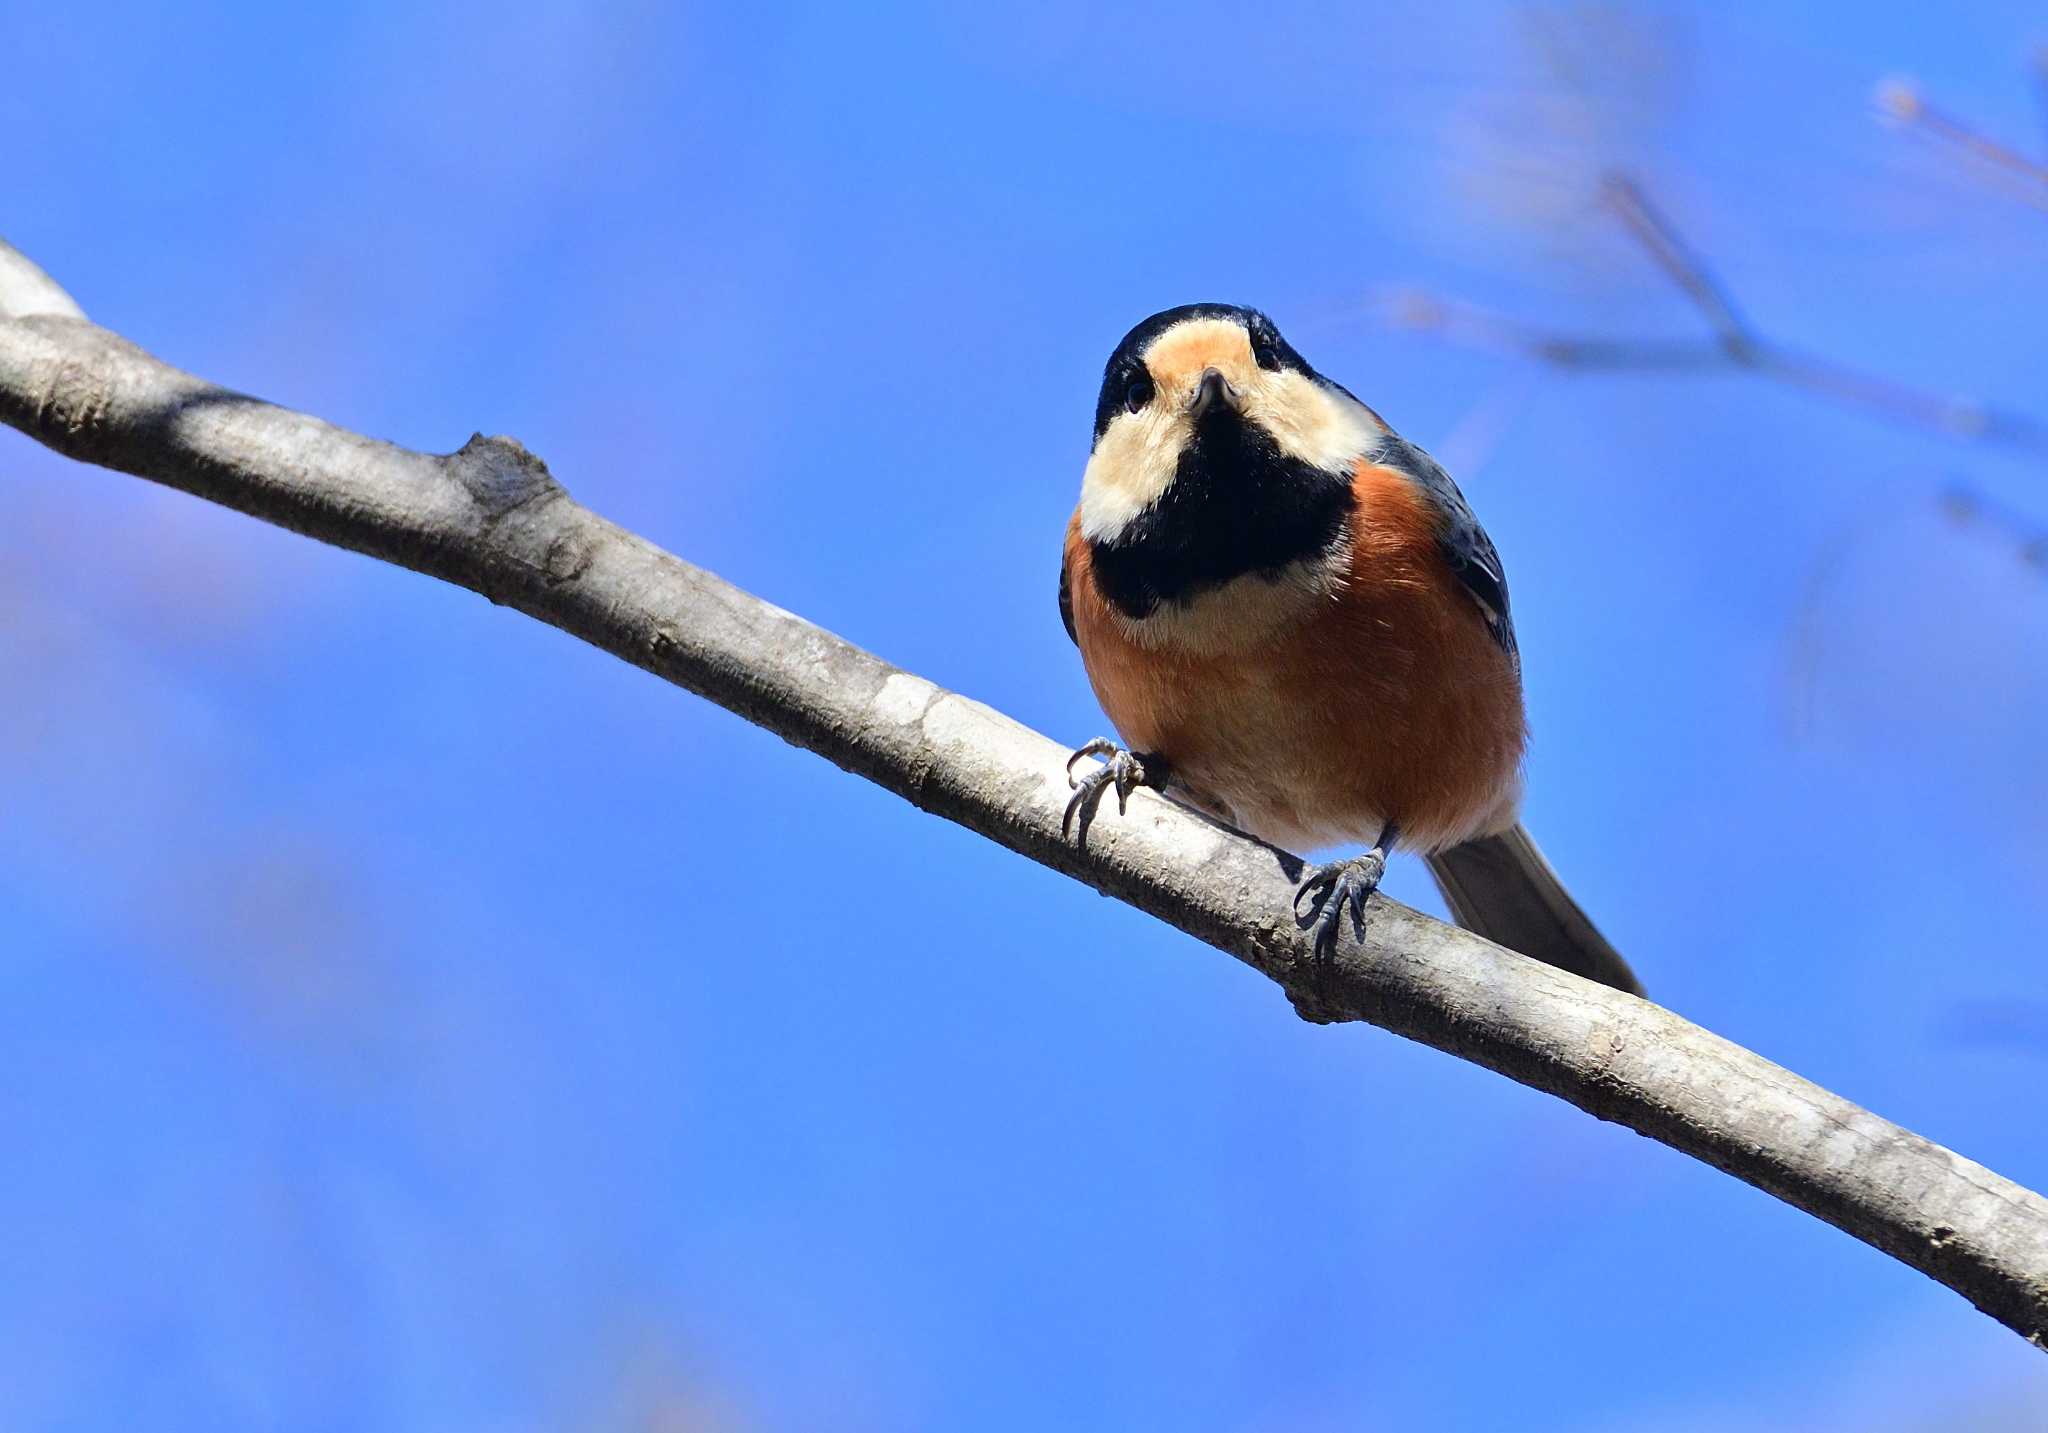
1382, 697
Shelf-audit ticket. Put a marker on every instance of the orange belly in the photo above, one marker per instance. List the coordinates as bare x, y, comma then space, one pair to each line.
1383, 697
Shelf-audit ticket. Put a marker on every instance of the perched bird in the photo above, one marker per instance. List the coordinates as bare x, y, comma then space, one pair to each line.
1297, 625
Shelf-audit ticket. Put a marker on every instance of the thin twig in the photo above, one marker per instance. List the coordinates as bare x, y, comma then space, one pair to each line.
1902, 101
490, 517
1476, 327
1964, 418
1736, 347
2025, 536
1677, 259
1960, 505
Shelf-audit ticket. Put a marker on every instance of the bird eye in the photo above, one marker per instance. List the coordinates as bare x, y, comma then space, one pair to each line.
1139, 393
1268, 348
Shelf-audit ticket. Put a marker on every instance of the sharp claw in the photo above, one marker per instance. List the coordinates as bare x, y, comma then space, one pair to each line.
1299, 891
1127, 775
1316, 887
1328, 923
1096, 746
1083, 803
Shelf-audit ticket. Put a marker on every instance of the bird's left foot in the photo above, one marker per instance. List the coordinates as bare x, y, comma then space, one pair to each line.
1331, 890
1125, 771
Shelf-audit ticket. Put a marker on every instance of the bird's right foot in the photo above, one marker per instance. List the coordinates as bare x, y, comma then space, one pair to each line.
1339, 887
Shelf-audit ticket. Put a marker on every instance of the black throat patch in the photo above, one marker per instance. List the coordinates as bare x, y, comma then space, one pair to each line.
1237, 505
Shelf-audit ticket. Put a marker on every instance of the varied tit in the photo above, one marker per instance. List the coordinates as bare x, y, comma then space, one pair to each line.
1296, 624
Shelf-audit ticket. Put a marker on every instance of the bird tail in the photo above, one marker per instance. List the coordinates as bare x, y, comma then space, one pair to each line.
1502, 888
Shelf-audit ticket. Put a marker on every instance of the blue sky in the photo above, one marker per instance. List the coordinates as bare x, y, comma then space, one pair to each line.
405, 1016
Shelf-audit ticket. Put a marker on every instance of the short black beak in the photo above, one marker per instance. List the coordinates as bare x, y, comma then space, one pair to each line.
1213, 389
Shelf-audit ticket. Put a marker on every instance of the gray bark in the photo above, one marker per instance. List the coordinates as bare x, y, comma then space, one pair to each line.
490, 517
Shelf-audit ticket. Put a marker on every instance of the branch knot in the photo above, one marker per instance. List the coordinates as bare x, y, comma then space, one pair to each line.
501, 474
73, 401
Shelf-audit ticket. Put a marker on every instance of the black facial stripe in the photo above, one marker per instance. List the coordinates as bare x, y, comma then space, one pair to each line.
1272, 352
1237, 505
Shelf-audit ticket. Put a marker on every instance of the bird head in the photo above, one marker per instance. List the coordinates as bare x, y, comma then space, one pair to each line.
1207, 405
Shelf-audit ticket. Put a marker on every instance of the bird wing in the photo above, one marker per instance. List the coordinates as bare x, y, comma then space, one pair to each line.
1067, 604
1464, 543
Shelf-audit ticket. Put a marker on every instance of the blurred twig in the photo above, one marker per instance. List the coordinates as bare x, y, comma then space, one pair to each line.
491, 518
2017, 1026
2040, 78
1676, 258
1902, 101
1959, 504
1736, 346
2024, 535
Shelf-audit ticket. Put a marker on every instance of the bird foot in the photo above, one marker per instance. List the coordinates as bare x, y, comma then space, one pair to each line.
1120, 769
1332, 889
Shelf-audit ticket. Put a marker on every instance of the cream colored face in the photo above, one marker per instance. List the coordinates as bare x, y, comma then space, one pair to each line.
1134, 460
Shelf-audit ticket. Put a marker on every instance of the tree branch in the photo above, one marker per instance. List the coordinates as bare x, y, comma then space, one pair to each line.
491, 518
